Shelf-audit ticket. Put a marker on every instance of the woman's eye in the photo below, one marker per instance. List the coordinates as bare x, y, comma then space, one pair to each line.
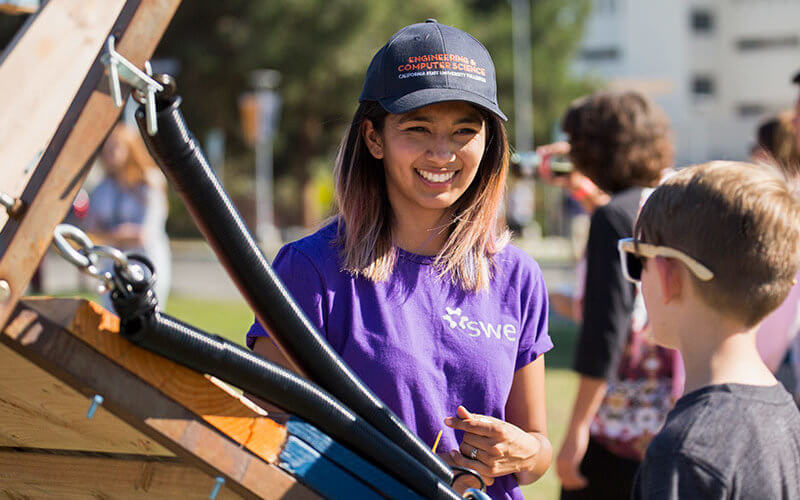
465, 131
416, 129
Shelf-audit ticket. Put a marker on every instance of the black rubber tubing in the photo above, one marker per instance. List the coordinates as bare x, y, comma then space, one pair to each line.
181, 158
241, 367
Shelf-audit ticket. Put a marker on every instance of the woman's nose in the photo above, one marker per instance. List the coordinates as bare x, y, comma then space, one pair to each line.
441, 151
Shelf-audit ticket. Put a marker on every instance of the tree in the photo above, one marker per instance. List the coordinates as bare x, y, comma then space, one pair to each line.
322, 49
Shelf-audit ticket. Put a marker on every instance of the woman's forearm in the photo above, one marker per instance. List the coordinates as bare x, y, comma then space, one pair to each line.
543, 460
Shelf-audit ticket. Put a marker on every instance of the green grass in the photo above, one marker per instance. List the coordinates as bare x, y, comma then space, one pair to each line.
561, 384
231, 319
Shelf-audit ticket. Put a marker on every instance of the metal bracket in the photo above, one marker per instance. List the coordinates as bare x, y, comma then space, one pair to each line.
120, 69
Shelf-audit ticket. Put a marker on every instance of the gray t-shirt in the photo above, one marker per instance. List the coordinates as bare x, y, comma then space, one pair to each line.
728, 441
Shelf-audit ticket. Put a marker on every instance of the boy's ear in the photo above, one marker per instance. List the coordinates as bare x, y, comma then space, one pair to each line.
373, 139
670, 278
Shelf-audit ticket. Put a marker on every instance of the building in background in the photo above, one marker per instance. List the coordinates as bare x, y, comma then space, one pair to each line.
716, 66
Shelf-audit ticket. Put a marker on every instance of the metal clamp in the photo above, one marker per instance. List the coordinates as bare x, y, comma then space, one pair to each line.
120, 68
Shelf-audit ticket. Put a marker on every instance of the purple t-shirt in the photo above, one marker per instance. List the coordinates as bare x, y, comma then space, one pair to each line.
419, 342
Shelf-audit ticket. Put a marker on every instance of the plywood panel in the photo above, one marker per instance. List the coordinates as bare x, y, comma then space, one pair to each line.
58, 477
39, 411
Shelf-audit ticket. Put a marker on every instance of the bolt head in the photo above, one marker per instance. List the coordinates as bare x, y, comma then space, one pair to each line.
5, 291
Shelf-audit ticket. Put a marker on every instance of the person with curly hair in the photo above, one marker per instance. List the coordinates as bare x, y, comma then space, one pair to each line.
776, 143
620, 141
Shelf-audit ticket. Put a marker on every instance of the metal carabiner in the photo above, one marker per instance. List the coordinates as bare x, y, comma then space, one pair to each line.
65, 232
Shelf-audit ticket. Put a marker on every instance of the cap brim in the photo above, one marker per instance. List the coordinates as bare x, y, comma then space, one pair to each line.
425, 97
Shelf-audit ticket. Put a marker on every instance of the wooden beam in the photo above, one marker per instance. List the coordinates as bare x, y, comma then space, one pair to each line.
53, 58
52, 164
144, 407
43, 476
99, 328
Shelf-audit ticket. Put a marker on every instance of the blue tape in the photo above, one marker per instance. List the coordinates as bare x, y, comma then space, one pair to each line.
349, 461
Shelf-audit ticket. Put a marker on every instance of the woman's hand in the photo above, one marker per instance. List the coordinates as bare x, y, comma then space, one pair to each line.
570, 456
492, 447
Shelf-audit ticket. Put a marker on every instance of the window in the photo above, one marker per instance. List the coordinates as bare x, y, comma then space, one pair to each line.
605, 6
746, 109
775, 42
600, 54
702, 85
702, 21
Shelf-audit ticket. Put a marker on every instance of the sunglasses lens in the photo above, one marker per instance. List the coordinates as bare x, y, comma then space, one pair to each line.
634, 264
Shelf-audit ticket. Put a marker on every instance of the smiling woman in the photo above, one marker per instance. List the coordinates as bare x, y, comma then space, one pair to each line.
414, 283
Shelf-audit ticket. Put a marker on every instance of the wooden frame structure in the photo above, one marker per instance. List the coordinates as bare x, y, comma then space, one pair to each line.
162, 430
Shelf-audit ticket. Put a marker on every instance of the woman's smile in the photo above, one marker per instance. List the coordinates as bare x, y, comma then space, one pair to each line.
437, 178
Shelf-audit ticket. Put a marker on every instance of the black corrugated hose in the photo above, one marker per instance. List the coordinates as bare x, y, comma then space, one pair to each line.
142, 323
180, 157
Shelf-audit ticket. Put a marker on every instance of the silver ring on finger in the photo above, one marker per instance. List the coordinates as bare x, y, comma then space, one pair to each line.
473, 455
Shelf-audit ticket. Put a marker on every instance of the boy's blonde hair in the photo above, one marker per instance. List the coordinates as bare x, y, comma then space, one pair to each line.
740, 220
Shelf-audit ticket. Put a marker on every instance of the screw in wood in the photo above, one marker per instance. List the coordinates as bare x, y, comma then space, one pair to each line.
218, 482
97, 400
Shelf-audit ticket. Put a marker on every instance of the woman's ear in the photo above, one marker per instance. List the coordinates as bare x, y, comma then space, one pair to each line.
670, 278
373, 139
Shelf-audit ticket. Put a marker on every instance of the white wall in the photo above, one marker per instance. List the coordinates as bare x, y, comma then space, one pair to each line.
660, 51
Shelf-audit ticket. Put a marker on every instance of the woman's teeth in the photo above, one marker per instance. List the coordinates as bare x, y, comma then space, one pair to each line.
430, 176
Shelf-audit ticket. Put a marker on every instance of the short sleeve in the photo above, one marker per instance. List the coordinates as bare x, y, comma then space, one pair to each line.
608, 298
676, 476
534, 338
304, 282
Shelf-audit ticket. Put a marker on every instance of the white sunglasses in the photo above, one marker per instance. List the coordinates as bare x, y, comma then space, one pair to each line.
632, 254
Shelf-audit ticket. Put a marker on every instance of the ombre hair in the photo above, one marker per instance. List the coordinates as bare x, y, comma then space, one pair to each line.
474, 232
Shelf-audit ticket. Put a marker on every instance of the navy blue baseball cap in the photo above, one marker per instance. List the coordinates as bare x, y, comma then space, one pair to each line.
428, 62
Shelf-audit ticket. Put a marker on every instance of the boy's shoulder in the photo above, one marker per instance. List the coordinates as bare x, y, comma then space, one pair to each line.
731, 428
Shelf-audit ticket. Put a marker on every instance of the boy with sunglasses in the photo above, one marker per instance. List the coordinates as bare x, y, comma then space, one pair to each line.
717, 247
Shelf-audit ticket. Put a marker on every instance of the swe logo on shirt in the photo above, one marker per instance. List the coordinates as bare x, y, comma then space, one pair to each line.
476, 328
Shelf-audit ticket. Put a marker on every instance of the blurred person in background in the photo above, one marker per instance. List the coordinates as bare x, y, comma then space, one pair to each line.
128, 208
583, 191
776, 142
621, 142
796, 81
777, 337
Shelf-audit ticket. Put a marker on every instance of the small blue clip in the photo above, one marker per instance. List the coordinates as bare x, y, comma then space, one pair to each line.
96, 401
219, 481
